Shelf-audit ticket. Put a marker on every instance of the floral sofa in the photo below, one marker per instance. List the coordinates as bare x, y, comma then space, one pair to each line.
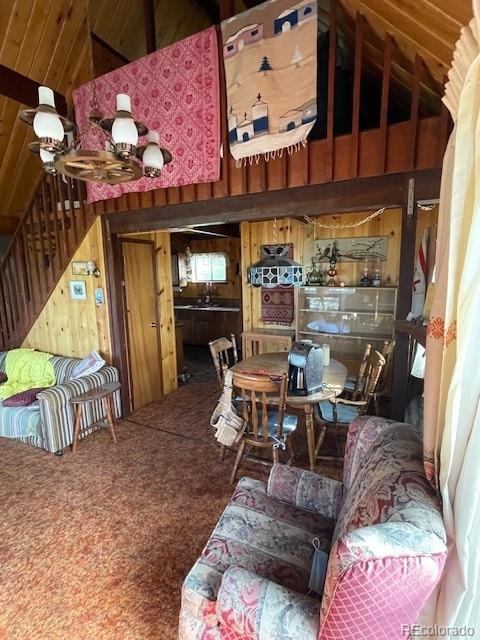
49, 423
381, 528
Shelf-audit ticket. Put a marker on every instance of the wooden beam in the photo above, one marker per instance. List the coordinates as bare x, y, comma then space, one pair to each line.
362, 194
387, 67
226, 8
400, 373
209, 8
8, 224
332, 63
357, 82
150, 31
15, 86
414, 110
109, 48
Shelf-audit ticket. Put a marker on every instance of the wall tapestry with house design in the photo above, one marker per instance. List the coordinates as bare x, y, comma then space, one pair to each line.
270, 56
175, 91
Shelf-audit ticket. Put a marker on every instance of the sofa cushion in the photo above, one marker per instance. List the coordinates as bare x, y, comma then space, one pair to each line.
64, 368
19, 422
24, 398
362, 434
90, 364
258, 533
389, 544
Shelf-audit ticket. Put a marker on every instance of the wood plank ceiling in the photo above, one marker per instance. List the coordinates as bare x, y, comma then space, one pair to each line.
428, 28
46, 41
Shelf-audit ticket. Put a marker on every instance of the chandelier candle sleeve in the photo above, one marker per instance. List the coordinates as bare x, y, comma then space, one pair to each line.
124, 131
46, 123
152, 158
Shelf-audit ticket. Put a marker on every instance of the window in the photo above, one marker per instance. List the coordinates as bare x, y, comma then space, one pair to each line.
209, 267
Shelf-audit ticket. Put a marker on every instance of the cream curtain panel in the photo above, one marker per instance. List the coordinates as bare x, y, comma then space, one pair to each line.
452, 380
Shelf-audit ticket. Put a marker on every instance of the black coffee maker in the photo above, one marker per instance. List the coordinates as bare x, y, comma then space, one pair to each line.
305, 369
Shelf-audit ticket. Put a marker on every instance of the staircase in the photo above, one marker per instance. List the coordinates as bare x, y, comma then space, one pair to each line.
52, 228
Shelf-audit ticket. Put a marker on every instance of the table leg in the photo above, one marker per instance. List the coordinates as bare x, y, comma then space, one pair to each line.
76, 430
108, 409
310, 435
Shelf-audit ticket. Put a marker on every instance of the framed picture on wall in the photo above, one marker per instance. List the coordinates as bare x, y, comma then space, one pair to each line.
78, 290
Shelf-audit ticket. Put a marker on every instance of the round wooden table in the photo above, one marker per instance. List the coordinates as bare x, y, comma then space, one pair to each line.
334, 377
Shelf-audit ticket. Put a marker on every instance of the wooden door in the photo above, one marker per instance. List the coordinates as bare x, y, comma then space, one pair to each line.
141, 311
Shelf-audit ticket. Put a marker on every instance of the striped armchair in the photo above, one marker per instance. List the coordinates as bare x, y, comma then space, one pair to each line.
49, 425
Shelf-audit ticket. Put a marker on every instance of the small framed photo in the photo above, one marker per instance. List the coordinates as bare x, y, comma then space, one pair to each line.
79, 269
78, 290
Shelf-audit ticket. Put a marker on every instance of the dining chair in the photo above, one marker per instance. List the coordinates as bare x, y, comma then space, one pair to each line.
224, 354
384, 386
354, 384
268, 427
340, 412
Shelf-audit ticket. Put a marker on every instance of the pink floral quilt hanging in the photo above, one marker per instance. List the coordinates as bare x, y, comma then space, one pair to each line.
174, 91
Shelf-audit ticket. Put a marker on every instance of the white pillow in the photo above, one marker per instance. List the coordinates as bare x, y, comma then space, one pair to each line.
91, 364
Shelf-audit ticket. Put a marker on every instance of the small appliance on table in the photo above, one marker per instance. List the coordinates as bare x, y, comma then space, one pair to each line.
305, 369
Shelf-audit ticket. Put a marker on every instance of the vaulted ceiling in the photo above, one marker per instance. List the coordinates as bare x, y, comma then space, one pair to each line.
46, 41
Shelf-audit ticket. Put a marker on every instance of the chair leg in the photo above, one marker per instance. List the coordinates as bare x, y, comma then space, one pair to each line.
291, 450
276, 457
223, 450
238, 460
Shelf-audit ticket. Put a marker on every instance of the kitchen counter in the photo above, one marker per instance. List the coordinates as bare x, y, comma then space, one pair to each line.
192, 307
202, 324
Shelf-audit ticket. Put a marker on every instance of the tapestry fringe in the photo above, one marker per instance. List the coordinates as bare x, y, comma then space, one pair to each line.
270, 155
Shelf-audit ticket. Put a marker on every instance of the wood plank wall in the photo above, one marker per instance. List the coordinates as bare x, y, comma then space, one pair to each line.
75, 327
232, 289
303, 236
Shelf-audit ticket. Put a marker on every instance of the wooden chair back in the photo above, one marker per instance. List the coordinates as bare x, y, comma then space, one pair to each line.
224, 355
360, 383
259, 394
373, 370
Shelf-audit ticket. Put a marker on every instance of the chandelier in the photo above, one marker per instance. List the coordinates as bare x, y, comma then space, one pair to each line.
122, 159
275, 269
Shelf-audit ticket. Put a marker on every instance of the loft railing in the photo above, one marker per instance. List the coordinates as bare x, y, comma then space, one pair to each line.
53, 226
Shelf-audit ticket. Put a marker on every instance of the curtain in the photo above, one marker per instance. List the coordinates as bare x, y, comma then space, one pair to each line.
452, 390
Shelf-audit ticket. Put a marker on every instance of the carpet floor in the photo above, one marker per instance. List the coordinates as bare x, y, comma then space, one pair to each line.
95, 546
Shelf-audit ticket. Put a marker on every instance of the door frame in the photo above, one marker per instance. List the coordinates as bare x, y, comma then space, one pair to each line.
121, 320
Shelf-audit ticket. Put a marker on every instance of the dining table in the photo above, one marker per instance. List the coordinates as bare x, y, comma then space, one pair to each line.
333, 382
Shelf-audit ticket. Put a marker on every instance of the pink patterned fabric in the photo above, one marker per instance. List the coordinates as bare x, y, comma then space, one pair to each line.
174, 91
305, 489
248, 605
381, 597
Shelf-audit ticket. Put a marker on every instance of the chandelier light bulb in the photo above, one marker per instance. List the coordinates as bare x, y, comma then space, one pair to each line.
124, 131
48, 126
152, 156
48, 160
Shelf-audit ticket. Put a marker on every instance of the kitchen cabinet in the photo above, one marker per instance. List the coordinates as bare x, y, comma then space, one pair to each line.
202, 325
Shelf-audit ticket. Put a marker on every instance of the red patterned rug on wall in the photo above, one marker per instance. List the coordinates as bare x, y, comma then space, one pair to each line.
95, 546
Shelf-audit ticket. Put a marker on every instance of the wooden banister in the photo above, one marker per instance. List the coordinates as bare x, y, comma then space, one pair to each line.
43, 244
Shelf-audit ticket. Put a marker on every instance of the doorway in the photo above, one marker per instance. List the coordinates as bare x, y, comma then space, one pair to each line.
141, 321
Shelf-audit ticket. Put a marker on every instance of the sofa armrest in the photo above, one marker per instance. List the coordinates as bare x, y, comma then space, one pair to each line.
249, 606
306, 490
57, 414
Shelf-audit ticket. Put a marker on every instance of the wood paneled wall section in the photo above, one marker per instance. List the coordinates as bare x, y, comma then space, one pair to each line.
232, 289
303, 236
75, 327
165, 307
